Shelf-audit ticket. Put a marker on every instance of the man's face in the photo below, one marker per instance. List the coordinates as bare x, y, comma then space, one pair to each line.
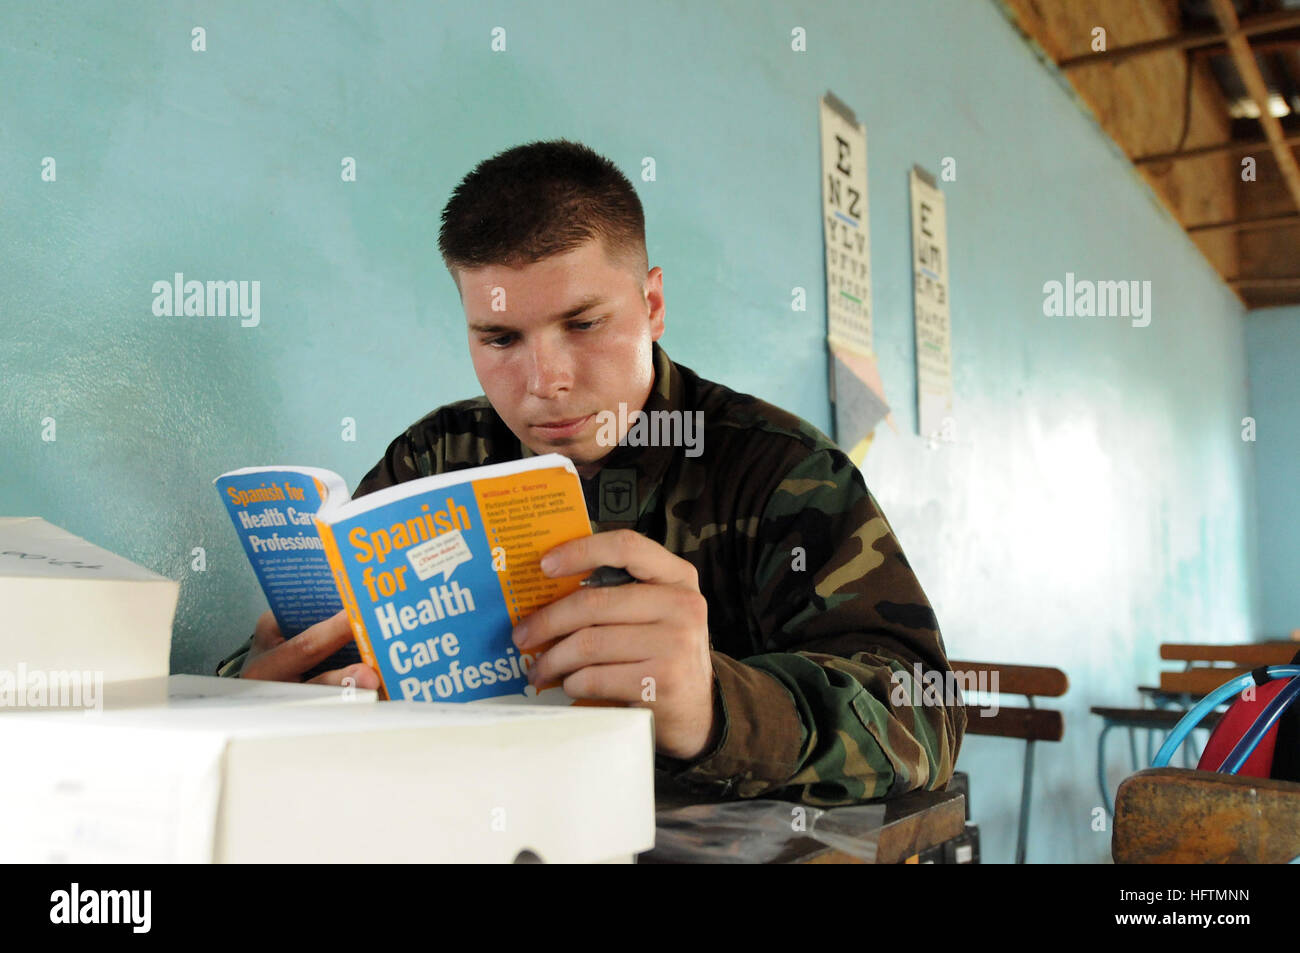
556, 342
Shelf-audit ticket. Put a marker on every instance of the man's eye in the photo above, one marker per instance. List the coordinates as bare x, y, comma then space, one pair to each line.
585, 325
501, 342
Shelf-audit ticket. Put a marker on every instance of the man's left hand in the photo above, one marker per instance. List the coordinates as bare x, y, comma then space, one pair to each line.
644, 643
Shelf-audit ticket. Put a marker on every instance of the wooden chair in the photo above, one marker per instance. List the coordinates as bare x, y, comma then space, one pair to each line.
1179, 816
1029, 724
1209, 666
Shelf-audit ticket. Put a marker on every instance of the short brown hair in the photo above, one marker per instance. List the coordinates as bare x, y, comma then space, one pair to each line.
538, 200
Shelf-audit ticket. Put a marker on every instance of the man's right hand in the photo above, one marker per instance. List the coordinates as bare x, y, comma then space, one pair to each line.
274, 658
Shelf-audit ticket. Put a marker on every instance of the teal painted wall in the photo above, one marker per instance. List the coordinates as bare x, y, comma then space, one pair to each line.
1273, 343
1098, 498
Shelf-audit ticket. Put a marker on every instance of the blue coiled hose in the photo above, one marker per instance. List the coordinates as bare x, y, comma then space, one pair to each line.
1216, 698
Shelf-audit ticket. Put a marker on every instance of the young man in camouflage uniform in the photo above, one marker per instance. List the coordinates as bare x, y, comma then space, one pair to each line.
773, 607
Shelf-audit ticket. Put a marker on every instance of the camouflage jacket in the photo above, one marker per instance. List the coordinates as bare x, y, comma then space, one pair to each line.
816, 619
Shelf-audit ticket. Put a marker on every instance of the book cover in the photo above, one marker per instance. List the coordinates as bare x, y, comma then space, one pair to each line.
434, 572
273, 510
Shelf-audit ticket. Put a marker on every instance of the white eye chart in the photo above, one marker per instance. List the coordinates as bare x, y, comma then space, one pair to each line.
856, 389
848, 240
930, 289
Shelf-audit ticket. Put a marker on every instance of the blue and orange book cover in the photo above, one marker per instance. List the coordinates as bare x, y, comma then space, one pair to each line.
434, 572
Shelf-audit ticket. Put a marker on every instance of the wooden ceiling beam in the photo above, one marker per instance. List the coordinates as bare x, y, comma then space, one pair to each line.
1248, 67
1282, 281
1235, 145
1248, 224
1264, 23
1263, 47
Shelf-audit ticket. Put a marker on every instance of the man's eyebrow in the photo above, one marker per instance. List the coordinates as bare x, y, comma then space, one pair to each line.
586, 304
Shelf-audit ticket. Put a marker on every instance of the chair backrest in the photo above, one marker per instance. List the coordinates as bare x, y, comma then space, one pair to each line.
1032, 681
1209, 666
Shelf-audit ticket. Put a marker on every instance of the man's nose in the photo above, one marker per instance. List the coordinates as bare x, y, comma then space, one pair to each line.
549, 371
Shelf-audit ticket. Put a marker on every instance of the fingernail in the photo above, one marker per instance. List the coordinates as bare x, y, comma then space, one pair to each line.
548, 564
519, 635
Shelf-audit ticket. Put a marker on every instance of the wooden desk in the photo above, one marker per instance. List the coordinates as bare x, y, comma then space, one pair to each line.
1163, 699
913, 823
1177, 816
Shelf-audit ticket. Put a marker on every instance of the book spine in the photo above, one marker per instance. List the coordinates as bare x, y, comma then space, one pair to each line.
359, 631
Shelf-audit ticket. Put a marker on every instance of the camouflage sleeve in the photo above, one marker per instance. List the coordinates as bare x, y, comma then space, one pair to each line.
396, 466
828, 714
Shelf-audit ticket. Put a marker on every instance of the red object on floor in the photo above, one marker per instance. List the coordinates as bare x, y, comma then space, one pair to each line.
1236, 721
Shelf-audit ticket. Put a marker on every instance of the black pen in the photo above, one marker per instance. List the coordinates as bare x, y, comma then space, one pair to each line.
607, 576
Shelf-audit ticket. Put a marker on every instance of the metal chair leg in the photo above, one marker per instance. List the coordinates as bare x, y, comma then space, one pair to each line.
1196, 751
1106, 726
1025, 793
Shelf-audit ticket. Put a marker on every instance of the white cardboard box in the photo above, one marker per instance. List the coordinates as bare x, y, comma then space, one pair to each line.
197, 691
338, 783
70, 606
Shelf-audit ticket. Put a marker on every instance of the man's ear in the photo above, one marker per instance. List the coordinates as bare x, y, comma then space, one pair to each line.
654, 296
